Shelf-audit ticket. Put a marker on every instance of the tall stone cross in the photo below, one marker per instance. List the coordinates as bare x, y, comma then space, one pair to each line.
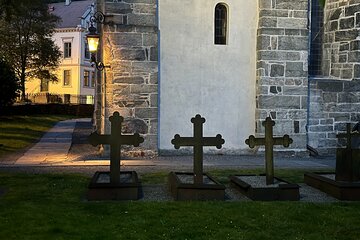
198, 142
269, 141
115, 140
348, 160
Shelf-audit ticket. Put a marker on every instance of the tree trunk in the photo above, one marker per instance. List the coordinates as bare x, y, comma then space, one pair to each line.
22, 84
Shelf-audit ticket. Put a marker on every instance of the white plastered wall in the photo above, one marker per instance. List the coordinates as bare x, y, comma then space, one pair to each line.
199, 77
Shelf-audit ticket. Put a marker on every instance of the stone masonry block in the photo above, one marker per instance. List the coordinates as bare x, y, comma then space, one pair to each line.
129, 80
279, 55
357, 71
296, 23
150, 39
154, 126
143, 88
141, 19
154, 100
154, 78
125, 39
351, 10
264, 4
145, 8
268, 22
277, 70
279, 102
331, 86
146, 113
117, 8
295, 69
273, 13
347, 23
354, 57
131, 54
346, 35
290, 4
292, 43
140, 1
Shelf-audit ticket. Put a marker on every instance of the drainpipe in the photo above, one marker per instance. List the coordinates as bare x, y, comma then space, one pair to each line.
309, 78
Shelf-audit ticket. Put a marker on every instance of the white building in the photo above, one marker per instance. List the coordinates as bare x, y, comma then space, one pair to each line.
76, 75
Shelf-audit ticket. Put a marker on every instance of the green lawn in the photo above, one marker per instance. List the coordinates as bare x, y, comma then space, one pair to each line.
18, 132
53, 207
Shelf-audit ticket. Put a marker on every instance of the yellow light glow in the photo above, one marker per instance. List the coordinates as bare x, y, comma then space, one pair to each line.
93, 43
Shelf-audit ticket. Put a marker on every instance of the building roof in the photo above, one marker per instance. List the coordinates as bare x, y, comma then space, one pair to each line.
71, 14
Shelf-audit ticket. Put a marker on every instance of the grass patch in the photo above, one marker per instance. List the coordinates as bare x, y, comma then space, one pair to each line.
51, 206
18, 132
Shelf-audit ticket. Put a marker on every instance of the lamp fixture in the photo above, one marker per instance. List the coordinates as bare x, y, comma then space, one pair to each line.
93, 39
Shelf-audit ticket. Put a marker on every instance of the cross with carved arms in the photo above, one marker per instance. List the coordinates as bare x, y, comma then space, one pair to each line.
115, 140
269, 141
348, 159
198, 142
348, 135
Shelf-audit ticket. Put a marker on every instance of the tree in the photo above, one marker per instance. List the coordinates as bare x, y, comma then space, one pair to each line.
25, 40
322, 2
8, 84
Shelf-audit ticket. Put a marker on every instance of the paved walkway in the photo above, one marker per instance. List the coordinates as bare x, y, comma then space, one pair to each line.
53, 150
53, 147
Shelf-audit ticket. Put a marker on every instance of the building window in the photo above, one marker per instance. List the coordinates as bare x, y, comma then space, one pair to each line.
67, 50
44, 85
221, 16
86, 79
86, 51
93, 78
316, 38
67, 77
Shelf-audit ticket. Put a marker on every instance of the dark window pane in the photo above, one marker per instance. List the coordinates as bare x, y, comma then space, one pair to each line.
220, 24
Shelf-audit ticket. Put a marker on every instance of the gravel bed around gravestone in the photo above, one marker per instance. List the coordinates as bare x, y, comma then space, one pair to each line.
155, 192
189, 179
329, 176
160, 192
105, 178
310, 194
259, 181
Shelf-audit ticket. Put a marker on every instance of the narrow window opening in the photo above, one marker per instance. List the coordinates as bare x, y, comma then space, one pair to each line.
67, 50
221, 16
316, 38
67, 78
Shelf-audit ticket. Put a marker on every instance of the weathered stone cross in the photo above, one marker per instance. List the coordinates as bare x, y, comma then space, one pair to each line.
348, 160
198, 142
269, 141
115, 140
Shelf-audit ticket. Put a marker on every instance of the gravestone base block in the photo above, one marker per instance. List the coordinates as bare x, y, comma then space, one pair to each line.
326, 182
100, 188
182, 187
280, 191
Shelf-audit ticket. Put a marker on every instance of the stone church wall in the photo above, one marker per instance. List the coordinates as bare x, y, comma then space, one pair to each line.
282, 68
130, 49
335, 97
333, 104
341, 41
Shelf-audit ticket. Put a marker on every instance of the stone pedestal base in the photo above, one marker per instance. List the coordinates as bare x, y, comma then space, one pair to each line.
182, 187
282, 191
100, 188
339, 189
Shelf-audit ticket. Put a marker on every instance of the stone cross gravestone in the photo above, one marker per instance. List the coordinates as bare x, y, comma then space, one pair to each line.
115, 140
269, 141
348, 159
198, 142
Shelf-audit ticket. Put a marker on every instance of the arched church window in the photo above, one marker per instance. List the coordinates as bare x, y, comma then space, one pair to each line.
221, 15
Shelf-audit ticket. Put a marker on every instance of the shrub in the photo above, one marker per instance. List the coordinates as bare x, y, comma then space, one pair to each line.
8, 85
